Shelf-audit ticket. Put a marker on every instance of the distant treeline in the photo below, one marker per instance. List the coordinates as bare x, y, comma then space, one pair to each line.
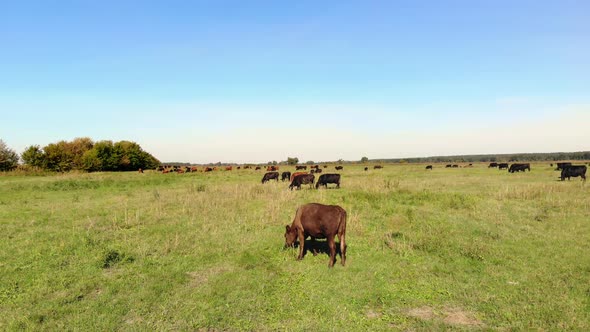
552, 156
84, 154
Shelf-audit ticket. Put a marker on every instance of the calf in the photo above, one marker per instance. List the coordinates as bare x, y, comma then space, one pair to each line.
318, 221
324, 179
302, 179
574, 171
519, 167
285, 176
503, 166
429, 167
270, 176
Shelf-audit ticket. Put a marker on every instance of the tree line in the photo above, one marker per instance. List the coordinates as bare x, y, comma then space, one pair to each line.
512, 157
80, 154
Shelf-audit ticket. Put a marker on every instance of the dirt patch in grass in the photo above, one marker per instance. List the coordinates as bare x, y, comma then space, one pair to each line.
198, 278
448, 315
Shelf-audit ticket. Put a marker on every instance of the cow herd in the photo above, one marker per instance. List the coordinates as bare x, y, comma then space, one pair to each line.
567, 169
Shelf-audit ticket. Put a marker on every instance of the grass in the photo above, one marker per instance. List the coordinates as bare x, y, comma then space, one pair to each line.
464, 249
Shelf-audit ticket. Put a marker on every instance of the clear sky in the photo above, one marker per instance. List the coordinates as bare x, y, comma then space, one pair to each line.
254, 81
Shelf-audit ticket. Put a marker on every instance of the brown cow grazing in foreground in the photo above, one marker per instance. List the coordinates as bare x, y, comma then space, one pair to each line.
318, 221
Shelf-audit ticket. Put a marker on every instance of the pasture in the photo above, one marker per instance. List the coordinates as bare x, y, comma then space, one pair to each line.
466, 249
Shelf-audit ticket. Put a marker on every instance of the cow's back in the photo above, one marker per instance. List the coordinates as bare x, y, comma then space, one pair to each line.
318, 220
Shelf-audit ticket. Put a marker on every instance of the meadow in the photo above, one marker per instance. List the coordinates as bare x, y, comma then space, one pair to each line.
461, 249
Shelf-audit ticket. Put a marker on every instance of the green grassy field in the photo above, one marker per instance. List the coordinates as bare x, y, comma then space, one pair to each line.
463, 249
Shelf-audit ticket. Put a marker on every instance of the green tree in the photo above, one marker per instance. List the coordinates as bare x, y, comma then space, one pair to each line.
33, 156
292, 161
364, 159
310, 162
8, 158
58, 157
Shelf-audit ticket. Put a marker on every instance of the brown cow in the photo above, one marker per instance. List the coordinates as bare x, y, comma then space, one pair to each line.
140, 170
208, 169
228, 168
272, 168
318, 221
295, 174
257, 168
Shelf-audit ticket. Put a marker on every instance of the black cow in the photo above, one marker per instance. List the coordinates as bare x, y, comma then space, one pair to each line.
377, 167
318, 170
339, 168
503, 166
300, 167
493, 165
455, 166
270, 176
561, 166
285, 176
366, 169
257, 168
328, 178
448, 166
519, 167
429, 167
573, 171
302, 179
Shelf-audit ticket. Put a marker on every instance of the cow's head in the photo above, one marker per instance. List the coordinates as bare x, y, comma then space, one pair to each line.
290, 236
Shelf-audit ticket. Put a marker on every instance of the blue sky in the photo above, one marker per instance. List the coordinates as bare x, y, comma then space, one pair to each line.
253, 81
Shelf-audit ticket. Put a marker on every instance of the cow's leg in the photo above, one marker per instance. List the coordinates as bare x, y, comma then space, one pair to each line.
341, 237
301, 244
313, 245
332, 246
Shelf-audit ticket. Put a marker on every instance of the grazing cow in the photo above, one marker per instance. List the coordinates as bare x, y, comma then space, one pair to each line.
312, 171
295, 174
302, 179
561, 166
429, 167
272, 168
455, 166
239, 167
448, 166
285, 176
247, 167
194, 169
318, 170
318, 221
160, 168
270, 176
493, 165
377, 167
503, 166
257, 168
300, 167
519, 167
208, 169
324, 179
315, 166
339, 168
228, 168
575, 171
325, 166
366, 169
